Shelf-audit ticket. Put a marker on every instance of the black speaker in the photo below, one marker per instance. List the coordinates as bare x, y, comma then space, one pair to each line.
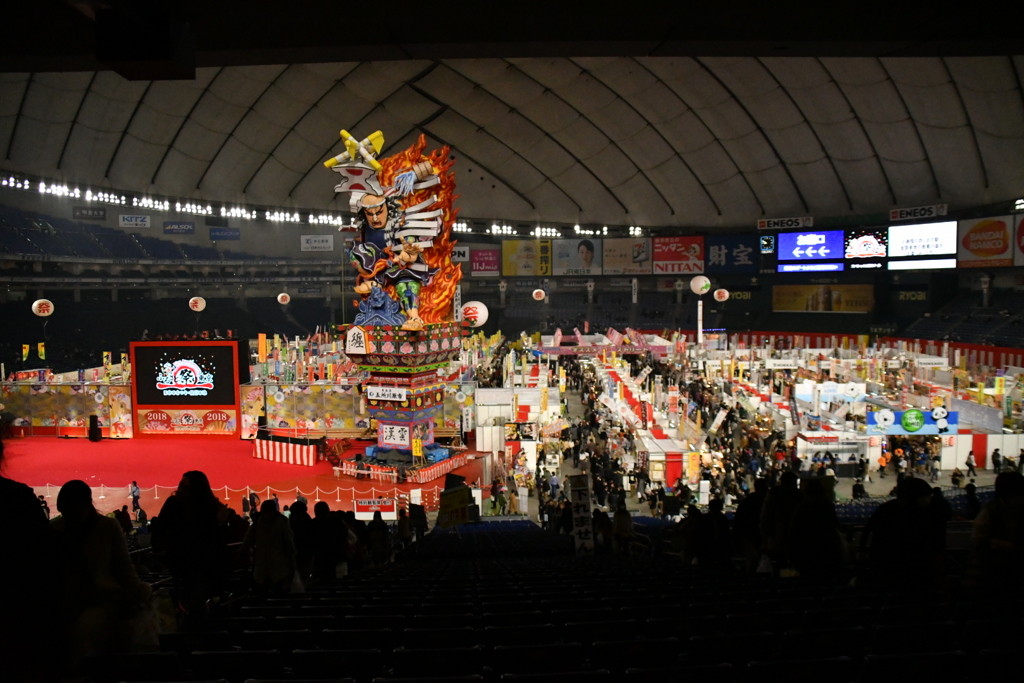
261, 422
94, 428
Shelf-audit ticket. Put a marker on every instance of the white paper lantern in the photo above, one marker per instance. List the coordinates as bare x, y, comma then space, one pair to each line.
43, 308
538, 295
197, 304
284, 298
721, 295
475, 313
700, 285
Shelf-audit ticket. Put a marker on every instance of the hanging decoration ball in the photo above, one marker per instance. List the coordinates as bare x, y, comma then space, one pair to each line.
538, 295
43, 308
721, 295
700, 285
197, 303
475, 313
284, 298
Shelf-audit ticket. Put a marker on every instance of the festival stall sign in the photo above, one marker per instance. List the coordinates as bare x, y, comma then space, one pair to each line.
589, 350
582, 521
913, 422
678, 255
454, 507
627, 256
520, 431
526, 257
485, 262
985, 242
185, 388
387, 507
833, 298
555, 428
577, 257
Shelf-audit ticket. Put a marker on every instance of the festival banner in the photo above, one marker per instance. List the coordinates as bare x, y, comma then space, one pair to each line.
485, 262
823, 298
627, 256
582, 523
219, 421
24, 351
577, 257
526, 257
678, 255
41, 350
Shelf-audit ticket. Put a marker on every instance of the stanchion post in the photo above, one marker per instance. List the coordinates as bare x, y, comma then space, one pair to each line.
337, 494
102, 494
317, 494
156, 492
226, 495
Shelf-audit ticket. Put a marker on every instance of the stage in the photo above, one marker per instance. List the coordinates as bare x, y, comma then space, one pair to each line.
157, 463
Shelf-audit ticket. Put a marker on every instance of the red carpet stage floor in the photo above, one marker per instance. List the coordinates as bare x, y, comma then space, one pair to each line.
157, 464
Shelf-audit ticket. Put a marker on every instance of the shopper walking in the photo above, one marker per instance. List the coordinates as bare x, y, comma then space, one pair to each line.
970, 465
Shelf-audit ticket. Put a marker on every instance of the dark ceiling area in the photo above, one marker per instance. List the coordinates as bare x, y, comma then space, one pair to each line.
61, 35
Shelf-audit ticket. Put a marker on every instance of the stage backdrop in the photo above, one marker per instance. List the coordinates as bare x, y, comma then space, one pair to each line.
185, 388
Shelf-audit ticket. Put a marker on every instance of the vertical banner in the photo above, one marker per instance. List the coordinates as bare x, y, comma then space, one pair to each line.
24, 351
261, 347
107, 361
120, 400
41, 350
693, 467
582, 524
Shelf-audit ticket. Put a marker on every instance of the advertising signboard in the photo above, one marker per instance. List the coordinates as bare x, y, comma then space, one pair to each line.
577, 257
526, 257
985, 242
732, 254
823, 298
627, 256
679, 255
485, 262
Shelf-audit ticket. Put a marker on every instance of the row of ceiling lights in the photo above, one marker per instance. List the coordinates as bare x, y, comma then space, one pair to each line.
272, 215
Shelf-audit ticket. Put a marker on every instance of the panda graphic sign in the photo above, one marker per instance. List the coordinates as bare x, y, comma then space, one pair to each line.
913, 422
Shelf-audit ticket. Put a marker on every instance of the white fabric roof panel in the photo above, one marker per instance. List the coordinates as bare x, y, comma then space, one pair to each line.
703, 142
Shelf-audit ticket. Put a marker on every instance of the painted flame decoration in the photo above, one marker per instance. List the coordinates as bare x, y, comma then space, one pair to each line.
435, 299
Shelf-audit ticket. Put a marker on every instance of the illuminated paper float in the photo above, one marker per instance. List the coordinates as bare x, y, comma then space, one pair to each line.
405, 334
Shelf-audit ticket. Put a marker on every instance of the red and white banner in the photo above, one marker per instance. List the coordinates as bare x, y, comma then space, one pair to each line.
280, 451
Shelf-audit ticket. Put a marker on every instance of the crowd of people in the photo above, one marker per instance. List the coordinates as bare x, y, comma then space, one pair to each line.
86, 594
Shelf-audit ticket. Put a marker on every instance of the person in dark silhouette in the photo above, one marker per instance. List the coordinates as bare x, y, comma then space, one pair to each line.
712, 540
32, 639
190, 532
102, 593
747, 524
777, 519
999, 531
302, 531
818, 550
906, 537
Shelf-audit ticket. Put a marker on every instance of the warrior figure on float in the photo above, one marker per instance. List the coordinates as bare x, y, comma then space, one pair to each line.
404, 215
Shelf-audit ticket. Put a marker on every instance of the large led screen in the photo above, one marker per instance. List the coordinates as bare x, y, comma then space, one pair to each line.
926, 239
185, 374
811, 246
185, 388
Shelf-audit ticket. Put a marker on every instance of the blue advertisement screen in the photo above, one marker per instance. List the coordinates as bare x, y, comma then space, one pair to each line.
811, 246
